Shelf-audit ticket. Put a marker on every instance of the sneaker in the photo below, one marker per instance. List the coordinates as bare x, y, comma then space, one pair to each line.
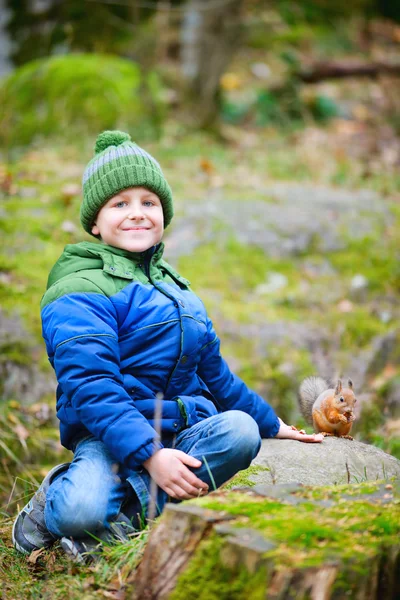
82, 551
29, 530
88, 549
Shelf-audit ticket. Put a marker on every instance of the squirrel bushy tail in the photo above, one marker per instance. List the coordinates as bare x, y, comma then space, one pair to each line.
309, 391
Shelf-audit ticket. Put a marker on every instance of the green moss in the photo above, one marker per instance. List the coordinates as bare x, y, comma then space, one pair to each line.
241, 479
64, 95
207, 578
231, 267
360, 327
16, 352
375, 256
312, 531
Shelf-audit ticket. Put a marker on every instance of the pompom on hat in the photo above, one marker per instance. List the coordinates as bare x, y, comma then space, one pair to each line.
119, 164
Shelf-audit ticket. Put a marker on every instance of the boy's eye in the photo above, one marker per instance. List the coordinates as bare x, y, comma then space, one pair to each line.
120, 204
148, 203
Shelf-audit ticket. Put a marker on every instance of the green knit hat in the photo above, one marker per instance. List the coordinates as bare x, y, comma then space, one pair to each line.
119, 164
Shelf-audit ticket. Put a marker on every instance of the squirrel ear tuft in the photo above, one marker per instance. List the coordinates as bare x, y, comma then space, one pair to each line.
338, 387
350, 383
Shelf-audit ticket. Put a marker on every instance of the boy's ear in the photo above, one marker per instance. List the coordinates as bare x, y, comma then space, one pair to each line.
95, 230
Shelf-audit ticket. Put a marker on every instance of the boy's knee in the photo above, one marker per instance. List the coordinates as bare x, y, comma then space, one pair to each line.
76, 514
244, 433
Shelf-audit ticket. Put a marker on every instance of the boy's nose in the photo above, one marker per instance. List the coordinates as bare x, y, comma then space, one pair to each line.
136, 214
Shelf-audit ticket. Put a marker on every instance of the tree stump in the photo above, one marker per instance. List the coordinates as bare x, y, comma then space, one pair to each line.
283, 542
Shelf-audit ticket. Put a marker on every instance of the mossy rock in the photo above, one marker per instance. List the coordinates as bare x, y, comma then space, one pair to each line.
77, 95
292, 542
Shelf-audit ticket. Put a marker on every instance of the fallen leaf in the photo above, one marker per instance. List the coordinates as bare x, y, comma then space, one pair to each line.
207, 166
230, 81
22, 434
396, 34
89, 582
34, 555
119, 595
345, 306
69, 191
50, 561
389, 371
361, 112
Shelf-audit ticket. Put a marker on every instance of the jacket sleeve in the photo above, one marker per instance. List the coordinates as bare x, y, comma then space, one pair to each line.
230, 391
81, 335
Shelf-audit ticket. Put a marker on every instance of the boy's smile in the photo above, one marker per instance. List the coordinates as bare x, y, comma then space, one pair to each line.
132, 220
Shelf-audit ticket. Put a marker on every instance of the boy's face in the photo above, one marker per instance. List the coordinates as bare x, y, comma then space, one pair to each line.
132, 220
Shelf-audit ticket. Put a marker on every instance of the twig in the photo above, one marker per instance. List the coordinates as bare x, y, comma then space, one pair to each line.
348, 473
153, 486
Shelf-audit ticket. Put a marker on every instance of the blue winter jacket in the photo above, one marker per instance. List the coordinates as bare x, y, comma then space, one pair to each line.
123, 330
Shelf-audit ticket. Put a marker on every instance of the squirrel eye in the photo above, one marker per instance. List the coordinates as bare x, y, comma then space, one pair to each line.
341, 399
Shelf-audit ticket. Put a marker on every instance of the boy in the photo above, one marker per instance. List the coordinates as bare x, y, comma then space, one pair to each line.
128, 339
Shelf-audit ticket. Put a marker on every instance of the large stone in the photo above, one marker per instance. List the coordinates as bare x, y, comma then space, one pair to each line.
334, 461
20, 377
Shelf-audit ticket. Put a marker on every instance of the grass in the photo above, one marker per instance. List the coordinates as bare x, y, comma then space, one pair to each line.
53, 576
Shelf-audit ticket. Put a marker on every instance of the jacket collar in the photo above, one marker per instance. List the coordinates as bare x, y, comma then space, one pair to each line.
121, 263
114, 261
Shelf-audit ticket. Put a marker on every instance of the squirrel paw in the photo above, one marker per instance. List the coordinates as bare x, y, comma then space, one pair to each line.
347, 437
325, 433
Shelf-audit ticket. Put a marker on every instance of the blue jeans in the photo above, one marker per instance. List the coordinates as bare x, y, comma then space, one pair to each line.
94, 490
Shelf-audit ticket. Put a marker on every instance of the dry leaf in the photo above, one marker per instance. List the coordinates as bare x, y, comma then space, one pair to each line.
33, 557
361, 112
50, 561
345, 306
69, 191
396, 34
14, 404
207, 166
89, 581
119, 595
230, 81
22, 434
389, 371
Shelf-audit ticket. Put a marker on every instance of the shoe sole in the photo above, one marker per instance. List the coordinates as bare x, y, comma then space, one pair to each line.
14, 541
13, 536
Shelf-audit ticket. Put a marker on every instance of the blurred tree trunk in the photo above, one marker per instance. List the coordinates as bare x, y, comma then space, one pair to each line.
210, 34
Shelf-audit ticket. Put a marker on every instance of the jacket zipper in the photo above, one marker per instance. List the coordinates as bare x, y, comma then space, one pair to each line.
146, 265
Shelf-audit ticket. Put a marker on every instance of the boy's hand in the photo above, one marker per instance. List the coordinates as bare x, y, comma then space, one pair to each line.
168, 469
291, 433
